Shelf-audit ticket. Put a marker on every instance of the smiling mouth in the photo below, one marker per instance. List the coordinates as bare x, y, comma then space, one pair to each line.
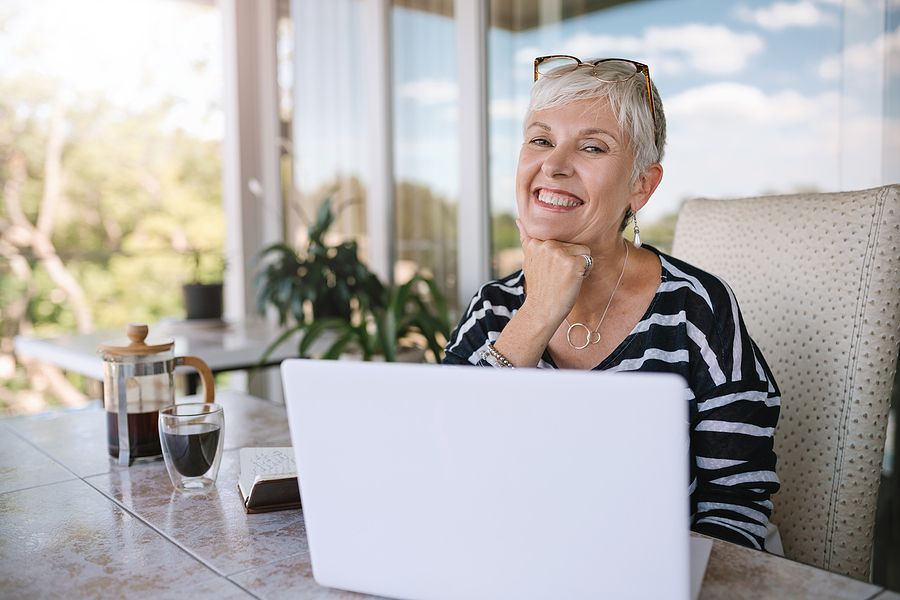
557, 199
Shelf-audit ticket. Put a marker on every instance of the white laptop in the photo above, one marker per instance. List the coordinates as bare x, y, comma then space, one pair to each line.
430, 482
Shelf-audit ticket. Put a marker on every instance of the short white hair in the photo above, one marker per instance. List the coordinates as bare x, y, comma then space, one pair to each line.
627, 99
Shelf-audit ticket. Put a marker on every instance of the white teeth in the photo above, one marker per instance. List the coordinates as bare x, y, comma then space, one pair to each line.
553, 199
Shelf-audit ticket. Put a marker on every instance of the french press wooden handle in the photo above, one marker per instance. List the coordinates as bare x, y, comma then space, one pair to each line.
206, 376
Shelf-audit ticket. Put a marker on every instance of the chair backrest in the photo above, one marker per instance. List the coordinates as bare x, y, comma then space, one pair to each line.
817, 277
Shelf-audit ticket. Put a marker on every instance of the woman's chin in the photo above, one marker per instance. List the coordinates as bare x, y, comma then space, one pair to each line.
552, 233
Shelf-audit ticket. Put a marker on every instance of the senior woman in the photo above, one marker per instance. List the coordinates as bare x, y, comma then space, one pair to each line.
587, 298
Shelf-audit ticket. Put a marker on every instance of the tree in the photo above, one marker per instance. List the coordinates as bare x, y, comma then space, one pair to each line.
93, 204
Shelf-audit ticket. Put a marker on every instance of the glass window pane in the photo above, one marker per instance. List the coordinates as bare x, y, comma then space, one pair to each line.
425, 141
891, 159
751, 95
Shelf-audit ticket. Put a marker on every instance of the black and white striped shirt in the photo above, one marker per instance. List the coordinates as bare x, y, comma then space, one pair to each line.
693, 327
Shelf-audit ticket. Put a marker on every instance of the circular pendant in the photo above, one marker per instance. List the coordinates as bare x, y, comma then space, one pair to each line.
587, 331
591, 337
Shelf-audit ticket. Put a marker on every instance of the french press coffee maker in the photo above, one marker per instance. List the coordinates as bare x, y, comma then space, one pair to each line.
139, 380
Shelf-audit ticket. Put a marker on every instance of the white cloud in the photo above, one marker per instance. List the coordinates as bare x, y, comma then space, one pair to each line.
748, 104
865, 60
734, 140
865, 146
830, 68
866, 8
696, 47
585, 45
449, 113
430, 91
712, 49
429, 160
782, 15
525, 56
507, 108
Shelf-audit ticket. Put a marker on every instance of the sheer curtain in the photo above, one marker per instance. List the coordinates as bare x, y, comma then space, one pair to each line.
330, 129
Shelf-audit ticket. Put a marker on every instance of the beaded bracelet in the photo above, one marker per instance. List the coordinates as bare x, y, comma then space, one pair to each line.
498, 359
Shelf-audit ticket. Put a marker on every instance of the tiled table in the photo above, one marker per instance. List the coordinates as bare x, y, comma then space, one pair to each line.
73, 524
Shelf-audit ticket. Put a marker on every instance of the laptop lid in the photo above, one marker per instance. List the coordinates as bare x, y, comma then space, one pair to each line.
428, 481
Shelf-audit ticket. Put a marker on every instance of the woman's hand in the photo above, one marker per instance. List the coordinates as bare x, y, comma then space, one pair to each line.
554, 272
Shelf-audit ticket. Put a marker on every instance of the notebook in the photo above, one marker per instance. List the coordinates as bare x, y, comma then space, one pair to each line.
426, 481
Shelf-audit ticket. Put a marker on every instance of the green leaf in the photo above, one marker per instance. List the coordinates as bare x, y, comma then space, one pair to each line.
337, 347
324, 219
314, 330
386, 324
271, 347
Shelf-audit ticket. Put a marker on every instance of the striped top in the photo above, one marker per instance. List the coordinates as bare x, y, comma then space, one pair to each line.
693, 327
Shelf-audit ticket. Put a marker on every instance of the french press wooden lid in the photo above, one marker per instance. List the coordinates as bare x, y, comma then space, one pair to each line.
136, 345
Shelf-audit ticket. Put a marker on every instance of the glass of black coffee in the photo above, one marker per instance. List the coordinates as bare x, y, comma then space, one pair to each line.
192, 436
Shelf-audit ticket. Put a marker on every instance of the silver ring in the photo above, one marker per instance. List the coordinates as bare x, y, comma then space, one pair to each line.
588, 263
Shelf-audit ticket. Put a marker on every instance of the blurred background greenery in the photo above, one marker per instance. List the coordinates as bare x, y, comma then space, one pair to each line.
109, 175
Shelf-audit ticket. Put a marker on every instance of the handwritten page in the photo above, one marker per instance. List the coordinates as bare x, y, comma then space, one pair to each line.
265, 463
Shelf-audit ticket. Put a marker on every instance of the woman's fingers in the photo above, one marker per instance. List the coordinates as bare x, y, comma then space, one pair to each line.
571, 258
564, 260
523, 234
554, 272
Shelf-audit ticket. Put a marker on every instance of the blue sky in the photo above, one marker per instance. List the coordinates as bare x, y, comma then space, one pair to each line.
751, 90
740, 82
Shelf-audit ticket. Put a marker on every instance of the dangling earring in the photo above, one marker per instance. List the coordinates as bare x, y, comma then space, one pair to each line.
637, 233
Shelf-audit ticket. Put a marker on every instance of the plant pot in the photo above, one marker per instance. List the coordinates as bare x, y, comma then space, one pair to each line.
203, 301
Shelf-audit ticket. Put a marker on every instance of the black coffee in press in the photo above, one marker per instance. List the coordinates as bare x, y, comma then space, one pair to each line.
143, 434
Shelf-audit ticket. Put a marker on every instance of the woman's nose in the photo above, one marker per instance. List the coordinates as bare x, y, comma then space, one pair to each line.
557, 163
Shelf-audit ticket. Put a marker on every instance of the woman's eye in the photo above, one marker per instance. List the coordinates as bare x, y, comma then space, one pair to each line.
594, 149
540, 142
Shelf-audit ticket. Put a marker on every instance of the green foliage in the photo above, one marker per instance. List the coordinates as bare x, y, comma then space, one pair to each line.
407, 310
423, 216
426, 234
327, 281
46, 307
135, 195
659, 233
505, 231
330, 290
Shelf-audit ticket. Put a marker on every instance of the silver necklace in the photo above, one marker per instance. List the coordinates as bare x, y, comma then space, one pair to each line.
596, 332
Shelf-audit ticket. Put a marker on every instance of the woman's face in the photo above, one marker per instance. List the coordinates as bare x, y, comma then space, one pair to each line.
573, 178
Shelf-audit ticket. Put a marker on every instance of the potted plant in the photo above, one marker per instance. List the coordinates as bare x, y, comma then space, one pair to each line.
328, 288
410, 314
203, 296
